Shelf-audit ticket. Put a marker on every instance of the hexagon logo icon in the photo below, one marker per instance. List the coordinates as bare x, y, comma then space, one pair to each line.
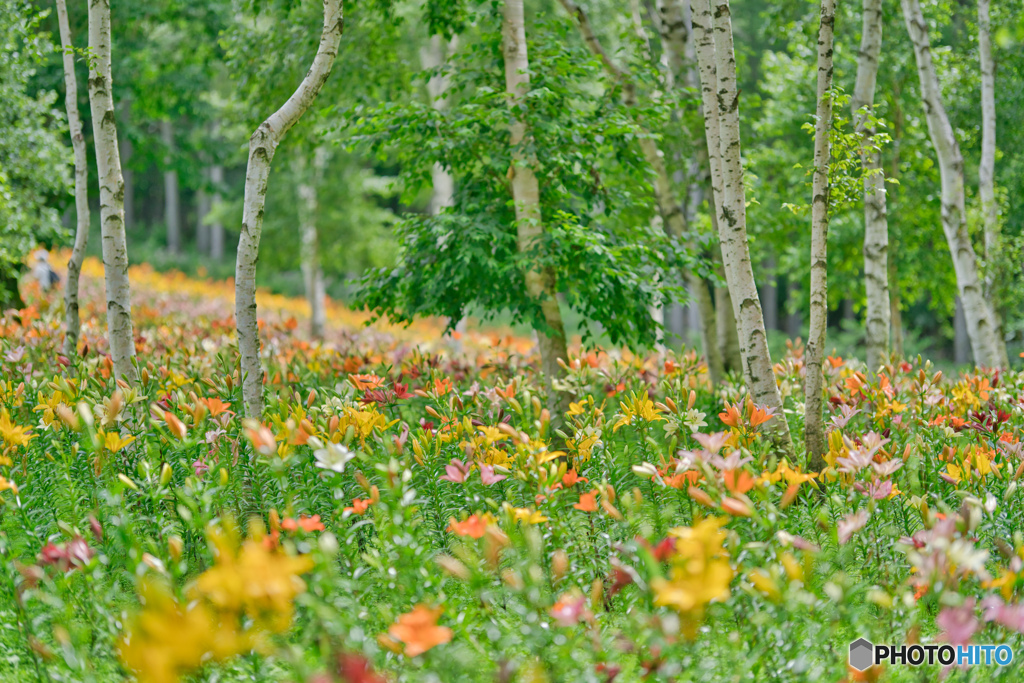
862, 654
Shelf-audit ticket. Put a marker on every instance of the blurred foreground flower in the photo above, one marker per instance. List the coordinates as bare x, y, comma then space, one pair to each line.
418, 631
699, 574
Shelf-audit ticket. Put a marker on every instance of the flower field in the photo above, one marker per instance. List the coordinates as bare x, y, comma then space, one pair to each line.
409, 511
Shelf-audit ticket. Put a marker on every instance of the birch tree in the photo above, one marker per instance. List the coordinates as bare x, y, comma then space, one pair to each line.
675, 26
108, 167
312, 269
540, 281
876, 224
669, 208
217, 226
814, 432
720, 103
989, 350
72, 319
432, 56
262, 146
172, 194
987, 165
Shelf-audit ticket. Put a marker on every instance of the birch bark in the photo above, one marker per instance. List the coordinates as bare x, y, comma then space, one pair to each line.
720, 102
987, 165
443, 185
814, 430
669, 208
108, 167
876, 222
312, 270
431, 57
217, 227
72, 318
987, 347
262, 146
540, 283
172, 195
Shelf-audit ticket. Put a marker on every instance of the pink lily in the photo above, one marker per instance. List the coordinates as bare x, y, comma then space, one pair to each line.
457, 471
488, 476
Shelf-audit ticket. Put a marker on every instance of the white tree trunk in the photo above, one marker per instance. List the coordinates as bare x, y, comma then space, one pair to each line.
72, 319
989, 350
204, 204
717, 64
669, 208
876, 223
540, 283
172, 195
127, 150
987, 165
432, 56
312, 270
443, 185
108, 167
675, 29
262, 146
814, 430
728, 334
217, 227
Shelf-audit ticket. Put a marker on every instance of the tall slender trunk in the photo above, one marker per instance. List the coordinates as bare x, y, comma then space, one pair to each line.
876, 222
814, 429
108, 166
172, 195
987, 166
669, 208
312, 270
217, 226
72, 320
127, 150
262, 146
896, 315
540, 283
203, 206
717, 63
433, 56
443, 185
728, 334
961, 338
770, 295
989, 350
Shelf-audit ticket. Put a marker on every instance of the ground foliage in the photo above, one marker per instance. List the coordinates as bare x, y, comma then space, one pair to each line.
405, 513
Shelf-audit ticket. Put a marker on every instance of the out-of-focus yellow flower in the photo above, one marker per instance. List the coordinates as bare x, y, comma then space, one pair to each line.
12, 395
794, 570
13, 434
113, 441
700, 571
639, 406
254, 579
790, 475
362, 420
1005, 583
537, 449
166, 640
585, 447
766, 583
48, 406
525, 514
8, 485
